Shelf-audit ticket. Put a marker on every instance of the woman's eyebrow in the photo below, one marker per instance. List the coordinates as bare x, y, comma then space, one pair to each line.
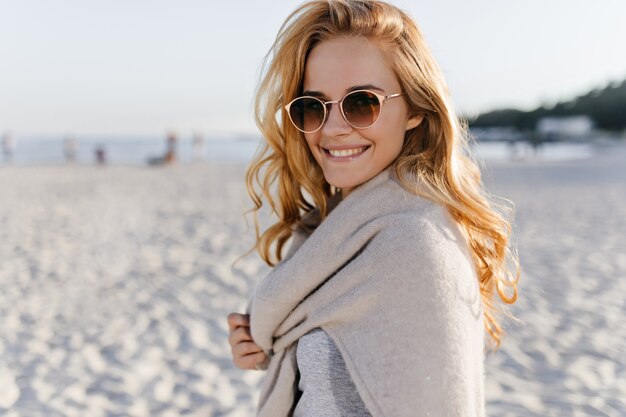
364, 87
313, 93
348, 90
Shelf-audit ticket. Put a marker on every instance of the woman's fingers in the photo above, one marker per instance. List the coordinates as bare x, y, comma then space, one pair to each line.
241, 334
246, 348
250, 361
236, 320
246, 354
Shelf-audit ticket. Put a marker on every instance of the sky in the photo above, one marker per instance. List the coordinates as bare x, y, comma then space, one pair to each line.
144, 67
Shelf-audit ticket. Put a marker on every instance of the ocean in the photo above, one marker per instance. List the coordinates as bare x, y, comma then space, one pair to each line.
139, 150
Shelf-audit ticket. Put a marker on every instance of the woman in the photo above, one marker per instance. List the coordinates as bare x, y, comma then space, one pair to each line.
381, 304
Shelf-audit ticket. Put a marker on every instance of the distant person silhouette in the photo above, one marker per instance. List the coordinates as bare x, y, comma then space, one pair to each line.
170, 154
101, 155
8, 147
198, 147
69, 149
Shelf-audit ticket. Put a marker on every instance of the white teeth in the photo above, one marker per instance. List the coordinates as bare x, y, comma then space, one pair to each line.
346, 152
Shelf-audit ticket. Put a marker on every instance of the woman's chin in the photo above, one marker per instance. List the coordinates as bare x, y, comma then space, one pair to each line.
343, 183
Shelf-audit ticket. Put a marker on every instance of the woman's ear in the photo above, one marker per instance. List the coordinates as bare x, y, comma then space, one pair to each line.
414, 121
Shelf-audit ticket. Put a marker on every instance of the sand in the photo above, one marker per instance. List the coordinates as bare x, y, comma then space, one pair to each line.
116, 283
567, 359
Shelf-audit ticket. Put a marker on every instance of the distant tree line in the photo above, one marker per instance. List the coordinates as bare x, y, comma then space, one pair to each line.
606, 107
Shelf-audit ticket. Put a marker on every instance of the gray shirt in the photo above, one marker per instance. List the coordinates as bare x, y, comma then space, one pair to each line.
325, 384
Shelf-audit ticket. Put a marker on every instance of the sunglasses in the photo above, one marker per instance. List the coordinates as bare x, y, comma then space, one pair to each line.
360, 108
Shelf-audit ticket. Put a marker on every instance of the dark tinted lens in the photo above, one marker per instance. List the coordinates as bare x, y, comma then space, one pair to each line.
361, 108
307, 113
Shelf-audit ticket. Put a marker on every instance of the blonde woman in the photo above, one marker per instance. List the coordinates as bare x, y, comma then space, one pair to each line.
382, 303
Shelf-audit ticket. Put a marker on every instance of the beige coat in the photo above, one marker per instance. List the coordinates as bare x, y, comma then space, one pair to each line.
388, 276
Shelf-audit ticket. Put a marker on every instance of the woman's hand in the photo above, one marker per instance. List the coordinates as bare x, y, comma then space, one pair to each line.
246, 353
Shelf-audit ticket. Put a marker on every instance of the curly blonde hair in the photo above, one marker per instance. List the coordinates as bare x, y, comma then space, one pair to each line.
436, 152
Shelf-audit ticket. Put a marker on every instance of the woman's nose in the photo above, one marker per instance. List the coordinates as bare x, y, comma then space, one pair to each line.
335, 124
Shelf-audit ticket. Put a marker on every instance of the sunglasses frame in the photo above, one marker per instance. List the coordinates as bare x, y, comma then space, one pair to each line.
381, 98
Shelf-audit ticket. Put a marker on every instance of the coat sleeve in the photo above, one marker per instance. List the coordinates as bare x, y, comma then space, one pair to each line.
298, 238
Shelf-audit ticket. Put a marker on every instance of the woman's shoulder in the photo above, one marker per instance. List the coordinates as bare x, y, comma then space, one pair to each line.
422, 216
429, 244
427, 229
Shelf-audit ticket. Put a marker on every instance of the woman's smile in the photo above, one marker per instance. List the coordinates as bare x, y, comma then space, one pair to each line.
344, 154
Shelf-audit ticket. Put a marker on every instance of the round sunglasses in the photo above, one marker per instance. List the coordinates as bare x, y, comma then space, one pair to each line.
360, 109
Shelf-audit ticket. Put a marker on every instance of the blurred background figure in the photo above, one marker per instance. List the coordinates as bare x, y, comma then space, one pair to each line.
172, 142
198, 147
69, 149
101, 156
170, 153
8, 146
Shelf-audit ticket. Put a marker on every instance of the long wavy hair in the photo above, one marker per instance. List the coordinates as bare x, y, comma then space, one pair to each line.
435, 161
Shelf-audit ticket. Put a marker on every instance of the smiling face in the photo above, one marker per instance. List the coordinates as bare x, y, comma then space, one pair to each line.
333, 69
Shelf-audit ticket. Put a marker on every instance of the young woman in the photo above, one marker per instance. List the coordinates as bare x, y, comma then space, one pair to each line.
381, 304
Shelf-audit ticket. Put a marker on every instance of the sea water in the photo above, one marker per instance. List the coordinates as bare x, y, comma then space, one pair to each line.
139, 150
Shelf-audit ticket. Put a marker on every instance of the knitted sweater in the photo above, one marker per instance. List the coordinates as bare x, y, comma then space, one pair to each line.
389, 277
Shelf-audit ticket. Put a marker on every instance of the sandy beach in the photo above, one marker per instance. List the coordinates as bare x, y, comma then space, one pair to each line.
116, 282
